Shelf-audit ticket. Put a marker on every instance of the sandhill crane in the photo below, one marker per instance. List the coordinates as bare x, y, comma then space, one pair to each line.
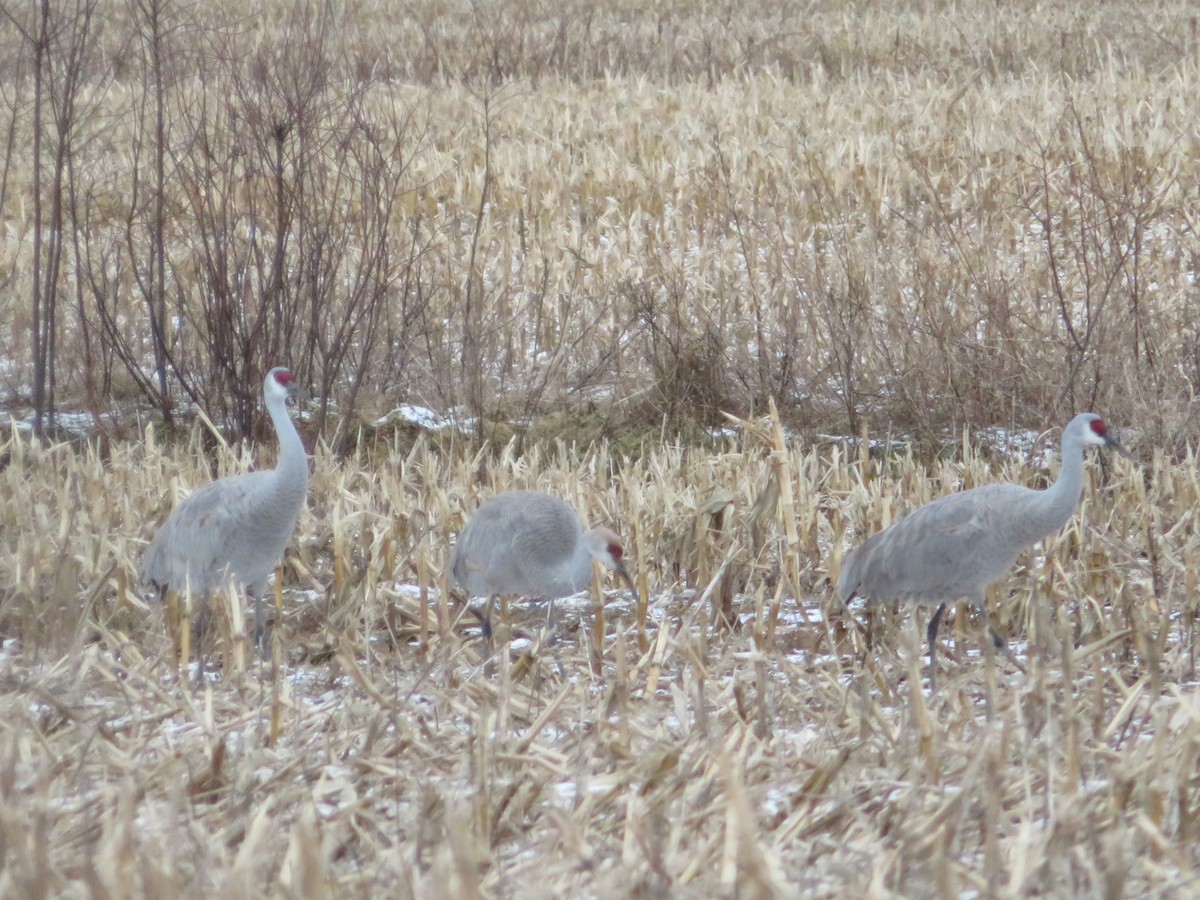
234, 530
953, 548
531, 544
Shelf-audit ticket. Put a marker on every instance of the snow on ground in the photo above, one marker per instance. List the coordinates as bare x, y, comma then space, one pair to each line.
411, 414
1021, 444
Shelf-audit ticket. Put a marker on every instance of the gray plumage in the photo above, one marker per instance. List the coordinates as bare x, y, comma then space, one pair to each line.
234, 530
953, 548
530, 544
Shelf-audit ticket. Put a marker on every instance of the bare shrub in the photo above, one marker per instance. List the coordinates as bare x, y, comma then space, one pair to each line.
1103, 215
60, 43
531, 210
280, 240
686, 355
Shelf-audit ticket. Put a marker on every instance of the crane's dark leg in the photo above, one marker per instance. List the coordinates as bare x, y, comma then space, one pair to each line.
867, 629
931, 634
485, 626
1000, 643
260, 627
551, 639
200, 632
485, 619
846, 604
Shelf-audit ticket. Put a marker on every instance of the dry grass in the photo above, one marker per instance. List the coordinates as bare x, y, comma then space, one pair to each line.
924, 216
607, 217
781, 756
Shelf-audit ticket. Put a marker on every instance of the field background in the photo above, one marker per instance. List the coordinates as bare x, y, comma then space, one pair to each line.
582, 233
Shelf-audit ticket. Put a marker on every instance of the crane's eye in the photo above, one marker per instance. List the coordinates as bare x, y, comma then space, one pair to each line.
616, 551
1098, 427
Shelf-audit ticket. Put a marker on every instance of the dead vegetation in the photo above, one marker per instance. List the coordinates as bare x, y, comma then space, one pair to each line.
677, 757
616, 222
606, 212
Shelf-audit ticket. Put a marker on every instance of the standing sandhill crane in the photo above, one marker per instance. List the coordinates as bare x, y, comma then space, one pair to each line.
530, 544
234, 530
955, 547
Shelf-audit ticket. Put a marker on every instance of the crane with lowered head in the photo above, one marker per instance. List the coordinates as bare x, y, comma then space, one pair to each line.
531, 544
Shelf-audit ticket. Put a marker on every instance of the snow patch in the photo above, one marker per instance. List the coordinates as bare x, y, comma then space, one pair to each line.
411, 414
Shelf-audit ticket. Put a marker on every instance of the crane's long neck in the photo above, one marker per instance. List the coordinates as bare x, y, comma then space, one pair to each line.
290, 478
578, 569
1057, 503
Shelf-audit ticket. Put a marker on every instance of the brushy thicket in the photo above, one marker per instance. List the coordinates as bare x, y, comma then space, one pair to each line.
612, 221
601, 217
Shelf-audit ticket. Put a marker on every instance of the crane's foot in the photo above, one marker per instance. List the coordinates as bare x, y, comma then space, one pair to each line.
1002, 645
262, 634
489, 636
542, 642
485, 622
200, 635
262, 640
842, 621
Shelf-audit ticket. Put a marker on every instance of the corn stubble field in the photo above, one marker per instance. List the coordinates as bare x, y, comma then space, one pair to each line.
594, 228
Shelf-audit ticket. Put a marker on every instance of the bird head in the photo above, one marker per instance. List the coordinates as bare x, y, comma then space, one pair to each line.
281, 384
606, 546
1090, 429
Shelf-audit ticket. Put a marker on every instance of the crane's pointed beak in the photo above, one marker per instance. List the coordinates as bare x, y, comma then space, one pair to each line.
1112, 444
297, 394
620, 569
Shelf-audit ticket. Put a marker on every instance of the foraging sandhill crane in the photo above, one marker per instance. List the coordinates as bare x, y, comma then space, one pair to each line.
234, 530
531, 544
953, 548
